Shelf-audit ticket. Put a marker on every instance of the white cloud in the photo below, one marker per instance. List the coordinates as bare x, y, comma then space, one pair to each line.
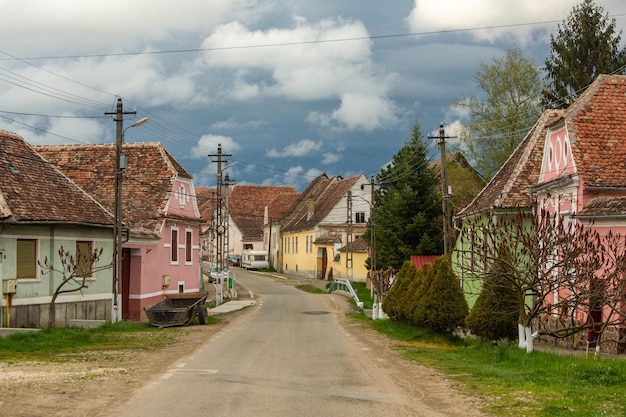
302, 148
207, 144
437, 15
358, 112
331, 158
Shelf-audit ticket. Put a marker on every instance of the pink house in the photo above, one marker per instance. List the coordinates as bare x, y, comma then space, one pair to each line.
583, 170
162, 251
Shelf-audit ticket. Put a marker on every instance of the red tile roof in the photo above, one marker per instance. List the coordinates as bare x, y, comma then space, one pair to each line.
247, 206
147, 182
596, 124
509, 187
32, 190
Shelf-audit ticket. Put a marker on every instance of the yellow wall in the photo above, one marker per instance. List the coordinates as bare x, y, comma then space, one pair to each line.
359, 272
296, 258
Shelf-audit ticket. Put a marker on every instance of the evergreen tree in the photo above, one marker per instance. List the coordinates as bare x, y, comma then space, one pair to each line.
407, 206
507, 105
496, 311
442, 308
586, 46
392, 303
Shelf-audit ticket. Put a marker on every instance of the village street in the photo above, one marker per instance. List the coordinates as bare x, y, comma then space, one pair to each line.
294, 354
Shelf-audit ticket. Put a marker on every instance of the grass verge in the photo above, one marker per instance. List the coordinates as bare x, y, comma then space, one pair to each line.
514, 383
59, 344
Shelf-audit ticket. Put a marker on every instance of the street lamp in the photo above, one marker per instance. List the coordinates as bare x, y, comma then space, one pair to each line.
120, 164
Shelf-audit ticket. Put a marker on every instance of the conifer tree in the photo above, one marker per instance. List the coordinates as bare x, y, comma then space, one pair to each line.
442, 308
407, 206
585, 46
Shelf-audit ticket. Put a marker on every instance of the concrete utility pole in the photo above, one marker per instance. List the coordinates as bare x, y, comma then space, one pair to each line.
445, 194
220, 224
349, 248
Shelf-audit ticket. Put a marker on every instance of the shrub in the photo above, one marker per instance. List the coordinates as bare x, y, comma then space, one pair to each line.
495, 313
442, 307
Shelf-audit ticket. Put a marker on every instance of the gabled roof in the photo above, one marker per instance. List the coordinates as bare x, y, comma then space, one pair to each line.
316, 202
509, 187
360, 244
596, 124
34, 191
247, 206
147, 182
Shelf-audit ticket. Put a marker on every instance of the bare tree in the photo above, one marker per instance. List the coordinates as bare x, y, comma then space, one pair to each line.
382, 280
559, 269
75, 270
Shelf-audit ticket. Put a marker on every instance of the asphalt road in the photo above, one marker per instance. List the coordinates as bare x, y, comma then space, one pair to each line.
289, 356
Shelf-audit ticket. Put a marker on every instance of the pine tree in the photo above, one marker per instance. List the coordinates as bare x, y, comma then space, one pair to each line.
586, 46
407, 206
392, 303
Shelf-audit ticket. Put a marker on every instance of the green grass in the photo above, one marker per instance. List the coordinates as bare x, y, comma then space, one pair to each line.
311, 289
365, 295
514, 383
59, 344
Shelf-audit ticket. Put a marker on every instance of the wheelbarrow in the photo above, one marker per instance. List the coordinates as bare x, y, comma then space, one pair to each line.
178, 310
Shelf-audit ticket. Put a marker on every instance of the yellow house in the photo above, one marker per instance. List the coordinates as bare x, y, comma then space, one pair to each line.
330, 212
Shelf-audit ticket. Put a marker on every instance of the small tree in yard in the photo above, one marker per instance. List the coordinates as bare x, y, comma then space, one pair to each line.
494, 315
441, 306
75, 269
556, 268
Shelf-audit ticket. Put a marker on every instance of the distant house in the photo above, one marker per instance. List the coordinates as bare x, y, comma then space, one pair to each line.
250, 209
42, 211
159, 207
330, 213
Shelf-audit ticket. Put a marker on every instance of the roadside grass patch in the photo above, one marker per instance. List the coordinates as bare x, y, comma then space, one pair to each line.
60, 344
311, 289
514, 383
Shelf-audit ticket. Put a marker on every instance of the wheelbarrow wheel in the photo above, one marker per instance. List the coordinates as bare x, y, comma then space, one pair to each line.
203, 315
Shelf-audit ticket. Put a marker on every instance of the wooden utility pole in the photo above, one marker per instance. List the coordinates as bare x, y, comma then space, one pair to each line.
445, 194
118, 212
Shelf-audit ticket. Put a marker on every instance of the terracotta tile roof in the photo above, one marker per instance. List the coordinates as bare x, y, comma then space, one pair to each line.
509, 187
360, 244
596, 124
32, 190
316, 202
604, 207
247, 206
147, 183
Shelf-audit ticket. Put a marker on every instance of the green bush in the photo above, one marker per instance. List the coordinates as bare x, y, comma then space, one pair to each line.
442, 307
495, 314
392, 303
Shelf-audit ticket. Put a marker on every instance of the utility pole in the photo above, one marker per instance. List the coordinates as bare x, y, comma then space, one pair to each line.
349, 248
219, 223
372, 228
117, 228
445, 195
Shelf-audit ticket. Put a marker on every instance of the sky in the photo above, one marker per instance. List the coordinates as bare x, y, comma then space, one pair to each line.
289, 88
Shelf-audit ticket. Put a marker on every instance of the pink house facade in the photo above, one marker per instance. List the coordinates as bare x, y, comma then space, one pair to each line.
583, 172
161, 254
